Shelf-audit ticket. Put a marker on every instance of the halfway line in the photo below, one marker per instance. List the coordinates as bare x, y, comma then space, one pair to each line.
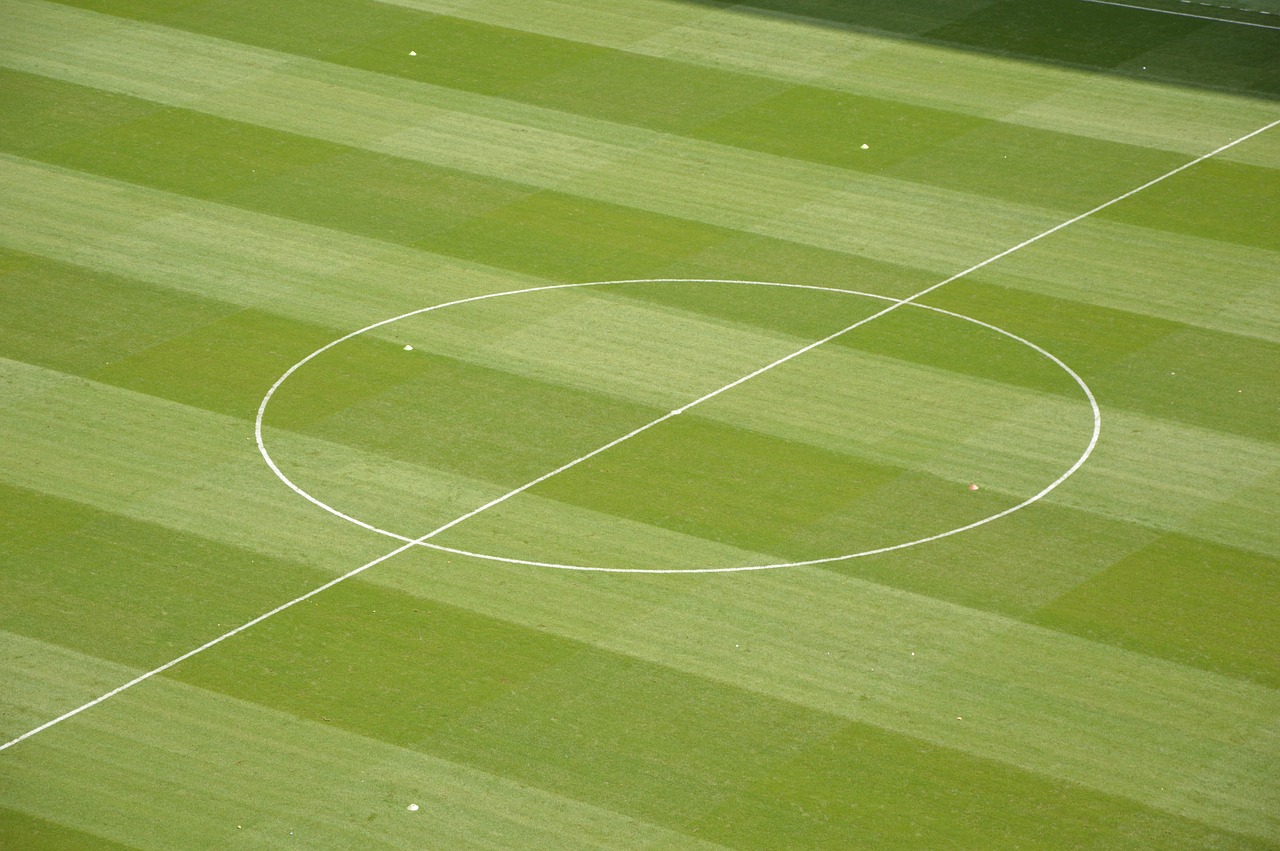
362, 568
1186, 14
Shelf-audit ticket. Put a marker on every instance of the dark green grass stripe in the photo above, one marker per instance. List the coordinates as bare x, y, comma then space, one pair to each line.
19, 830
849, 800
1200, 604
757, 492
1168, 596
802, 122
79, 321
252, 167
1075, 33
1143, 364
884, 16
1218, 199
937, 148
125, 590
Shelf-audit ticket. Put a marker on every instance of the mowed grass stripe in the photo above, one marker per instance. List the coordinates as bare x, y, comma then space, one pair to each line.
510, 220
465, 430
204, 503
1196, 483
1174, 692
1228, 376
1109, 36
987, 175
251, 774
126, 483
753, 114
224, 254
1244, 765
357, 780
871, 220
1185, 476
229, 502
327, 701
234, 500
185, 365
195, 471
723, 198
566, 74
805, 51
397, 200
46, 198
839, 645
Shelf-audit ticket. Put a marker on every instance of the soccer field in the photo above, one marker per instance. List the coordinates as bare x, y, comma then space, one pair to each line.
634, 424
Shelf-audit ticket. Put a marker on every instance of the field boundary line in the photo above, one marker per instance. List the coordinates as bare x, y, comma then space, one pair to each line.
1190, 14
417, 541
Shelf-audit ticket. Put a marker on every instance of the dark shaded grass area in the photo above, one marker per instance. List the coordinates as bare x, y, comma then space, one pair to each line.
1067, 32
30, 833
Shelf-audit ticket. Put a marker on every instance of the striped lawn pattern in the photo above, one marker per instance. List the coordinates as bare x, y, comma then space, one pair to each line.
194, 196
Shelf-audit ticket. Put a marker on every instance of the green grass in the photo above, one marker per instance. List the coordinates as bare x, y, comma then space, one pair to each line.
198, 195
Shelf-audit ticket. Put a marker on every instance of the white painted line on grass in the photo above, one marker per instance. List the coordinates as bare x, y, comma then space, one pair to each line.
1093, 403
1188, 14
362, 568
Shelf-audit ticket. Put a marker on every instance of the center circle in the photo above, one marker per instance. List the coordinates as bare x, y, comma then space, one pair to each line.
893, 303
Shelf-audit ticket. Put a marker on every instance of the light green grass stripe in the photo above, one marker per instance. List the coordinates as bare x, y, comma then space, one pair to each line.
1192, 743
1166, 476
226, 772
160, 462
1245, 519
1190, 280
1153, 115
884, 219
804, 51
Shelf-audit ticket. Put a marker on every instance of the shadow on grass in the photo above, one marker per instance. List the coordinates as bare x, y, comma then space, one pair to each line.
1074, 33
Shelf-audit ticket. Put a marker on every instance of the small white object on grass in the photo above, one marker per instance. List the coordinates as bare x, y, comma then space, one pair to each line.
413, 808
413, 53
865, 146
973, 487
408, 348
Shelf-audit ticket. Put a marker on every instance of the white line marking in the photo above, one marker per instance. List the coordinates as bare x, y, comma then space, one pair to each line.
1097, 426
1188, 14
260, 618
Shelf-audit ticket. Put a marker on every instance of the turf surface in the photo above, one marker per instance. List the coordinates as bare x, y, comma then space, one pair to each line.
197, 195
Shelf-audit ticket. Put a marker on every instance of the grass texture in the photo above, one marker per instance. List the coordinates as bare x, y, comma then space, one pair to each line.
197, 195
